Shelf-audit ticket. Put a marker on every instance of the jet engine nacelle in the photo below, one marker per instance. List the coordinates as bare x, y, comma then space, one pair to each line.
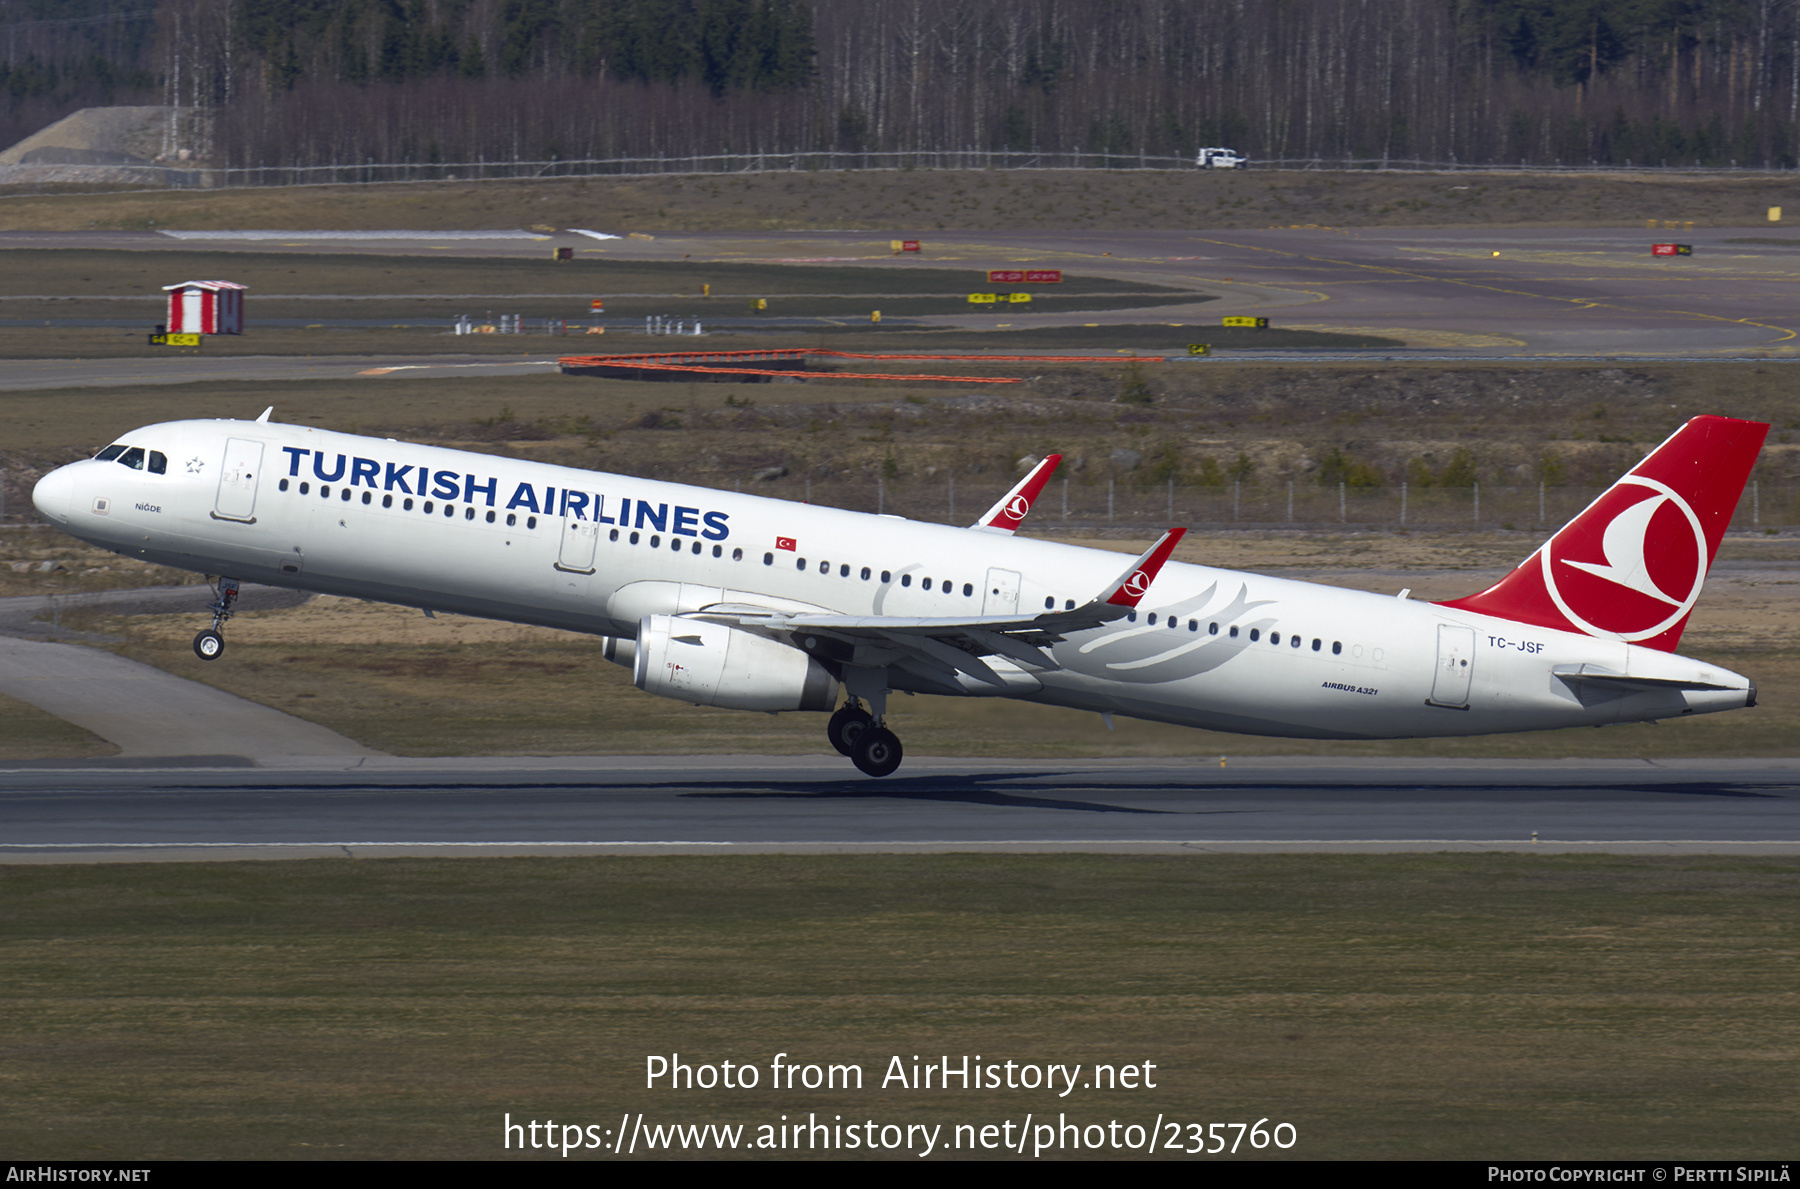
710, 664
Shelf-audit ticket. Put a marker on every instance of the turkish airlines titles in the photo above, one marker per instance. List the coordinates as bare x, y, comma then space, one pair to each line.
543, 500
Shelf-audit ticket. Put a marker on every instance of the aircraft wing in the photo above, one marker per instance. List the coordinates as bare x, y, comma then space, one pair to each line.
959, 643
1006, 515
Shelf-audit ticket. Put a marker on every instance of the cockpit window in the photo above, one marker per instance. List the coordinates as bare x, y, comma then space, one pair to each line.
159, 462
133, 458
111, 452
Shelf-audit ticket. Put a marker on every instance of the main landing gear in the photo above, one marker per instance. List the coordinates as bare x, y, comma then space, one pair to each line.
865, 739
210, 644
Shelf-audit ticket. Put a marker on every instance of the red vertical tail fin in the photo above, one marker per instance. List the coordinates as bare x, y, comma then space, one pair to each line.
1631, 565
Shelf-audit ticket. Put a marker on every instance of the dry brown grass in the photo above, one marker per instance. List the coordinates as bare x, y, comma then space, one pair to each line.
915, 203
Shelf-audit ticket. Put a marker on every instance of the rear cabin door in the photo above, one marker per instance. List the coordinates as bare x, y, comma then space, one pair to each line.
236, 498
1455, 657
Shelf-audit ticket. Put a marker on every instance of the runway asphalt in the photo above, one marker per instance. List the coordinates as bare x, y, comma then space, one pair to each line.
82, 811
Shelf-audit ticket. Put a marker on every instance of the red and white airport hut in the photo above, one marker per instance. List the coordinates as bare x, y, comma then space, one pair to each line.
206, 307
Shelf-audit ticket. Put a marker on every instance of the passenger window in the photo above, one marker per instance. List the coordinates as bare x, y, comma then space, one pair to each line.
737, 555
1152, 619
1336, 648
1131, 617
824, 567
718, 550
324, 491
469, 512
906, 580
1050, 603
926, 584
1174, 622
865, 573
405, 504
387, 501
344, 495
968, 590
1213, 630
449, 509
1193, 625
887, 576
429, 507
490, 517
1274, 637
1255, 634
1316, 643
1293, 641
800, 564
283, 485
675, 545
768, 559
1068, 604
367, 497
531, 522
110, 453
133, 458
843, 571
1234, 631
632, 539
159, 463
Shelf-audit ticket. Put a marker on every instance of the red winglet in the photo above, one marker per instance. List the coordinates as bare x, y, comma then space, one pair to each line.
1005, 516
1135, 581
1631, 565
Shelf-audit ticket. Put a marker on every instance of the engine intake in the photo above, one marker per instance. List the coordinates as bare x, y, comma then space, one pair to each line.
711, 664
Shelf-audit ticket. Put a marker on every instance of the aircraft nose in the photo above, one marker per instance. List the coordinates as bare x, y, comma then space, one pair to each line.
54, 494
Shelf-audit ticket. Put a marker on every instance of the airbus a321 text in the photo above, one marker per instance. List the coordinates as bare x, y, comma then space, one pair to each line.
750, 603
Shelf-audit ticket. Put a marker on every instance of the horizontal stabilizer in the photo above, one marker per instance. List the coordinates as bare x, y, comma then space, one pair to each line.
1595, 675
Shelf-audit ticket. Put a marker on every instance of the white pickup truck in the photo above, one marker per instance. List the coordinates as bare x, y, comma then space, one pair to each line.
1221, 159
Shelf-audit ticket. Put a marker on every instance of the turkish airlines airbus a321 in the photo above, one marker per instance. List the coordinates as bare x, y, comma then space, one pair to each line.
751, 603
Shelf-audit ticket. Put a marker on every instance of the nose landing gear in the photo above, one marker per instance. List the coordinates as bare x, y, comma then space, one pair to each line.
209, 645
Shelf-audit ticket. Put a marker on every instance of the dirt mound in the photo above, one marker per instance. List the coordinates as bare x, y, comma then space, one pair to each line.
101, 136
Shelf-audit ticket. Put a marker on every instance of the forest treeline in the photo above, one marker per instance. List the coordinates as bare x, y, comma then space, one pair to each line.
313, 82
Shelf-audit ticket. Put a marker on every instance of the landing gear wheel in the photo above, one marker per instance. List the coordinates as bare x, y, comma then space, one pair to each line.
877, 751
845, 726
209, 645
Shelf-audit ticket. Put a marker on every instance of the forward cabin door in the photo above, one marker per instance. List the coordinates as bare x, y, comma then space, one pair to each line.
1455, 658
236, 498
579, 538
1002, 597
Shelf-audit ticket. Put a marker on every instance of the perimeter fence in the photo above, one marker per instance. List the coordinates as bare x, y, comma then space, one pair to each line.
1104, 504
374, 172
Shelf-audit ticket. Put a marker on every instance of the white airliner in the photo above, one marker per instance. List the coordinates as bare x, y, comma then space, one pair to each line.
750, 603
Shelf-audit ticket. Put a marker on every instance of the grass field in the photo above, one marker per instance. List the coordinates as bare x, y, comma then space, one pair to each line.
27, 733
914, 203
1443, 1007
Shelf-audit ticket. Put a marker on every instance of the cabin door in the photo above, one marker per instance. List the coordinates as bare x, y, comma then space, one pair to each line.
1002, 597
236, 498
1455, 656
